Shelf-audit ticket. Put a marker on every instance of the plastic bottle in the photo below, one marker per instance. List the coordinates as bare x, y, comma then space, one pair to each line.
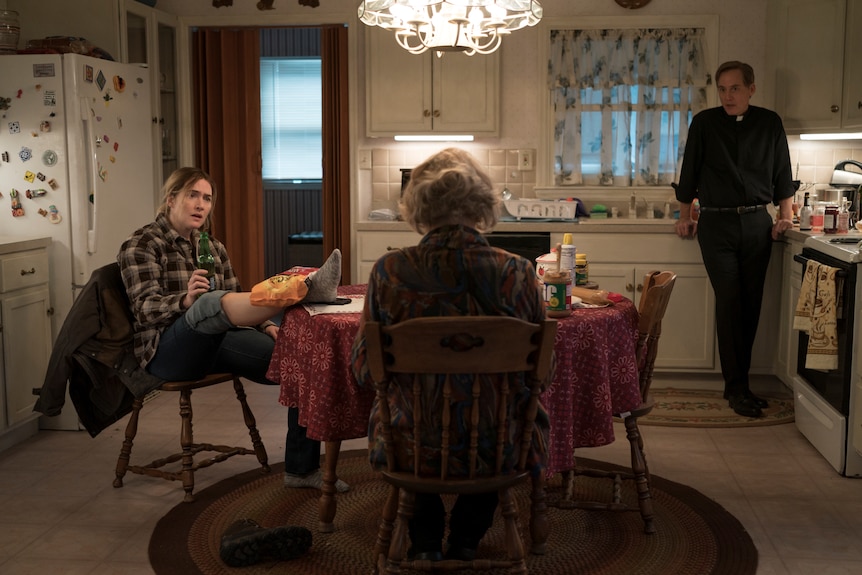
205, 259
844, 218
567, 254
805, 214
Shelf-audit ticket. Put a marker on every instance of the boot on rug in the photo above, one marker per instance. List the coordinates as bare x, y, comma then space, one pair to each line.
245, 543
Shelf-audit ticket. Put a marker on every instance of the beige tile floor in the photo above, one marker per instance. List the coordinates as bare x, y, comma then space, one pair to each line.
59, 513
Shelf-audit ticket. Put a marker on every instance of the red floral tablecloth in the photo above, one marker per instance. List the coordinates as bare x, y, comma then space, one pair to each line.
596, 375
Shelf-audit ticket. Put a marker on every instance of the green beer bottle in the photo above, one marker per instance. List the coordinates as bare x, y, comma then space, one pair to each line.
205, 259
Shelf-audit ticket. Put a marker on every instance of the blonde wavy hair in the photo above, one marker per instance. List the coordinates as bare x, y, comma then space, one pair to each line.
450, 187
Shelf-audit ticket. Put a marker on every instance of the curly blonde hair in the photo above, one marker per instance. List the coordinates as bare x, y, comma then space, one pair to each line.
450, 187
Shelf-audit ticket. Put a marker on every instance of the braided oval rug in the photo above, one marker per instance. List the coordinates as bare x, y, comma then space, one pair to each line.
695, 535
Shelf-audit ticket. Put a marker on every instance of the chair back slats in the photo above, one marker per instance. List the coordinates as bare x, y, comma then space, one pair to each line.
441, 350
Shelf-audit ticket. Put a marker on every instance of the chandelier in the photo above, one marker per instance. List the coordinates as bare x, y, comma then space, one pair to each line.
469, 26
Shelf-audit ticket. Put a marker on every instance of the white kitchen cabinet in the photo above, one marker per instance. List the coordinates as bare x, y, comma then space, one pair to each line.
25, 335
370, 245
818, 83
618, 262
150, 36
423, 93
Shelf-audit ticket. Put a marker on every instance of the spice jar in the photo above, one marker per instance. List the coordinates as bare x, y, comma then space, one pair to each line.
582, 270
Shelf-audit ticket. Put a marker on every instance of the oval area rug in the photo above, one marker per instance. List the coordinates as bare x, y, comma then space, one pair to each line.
676, 407
695, 535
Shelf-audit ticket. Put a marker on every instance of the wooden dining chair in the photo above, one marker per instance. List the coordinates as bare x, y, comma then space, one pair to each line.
658, 286
188, 447
472, 346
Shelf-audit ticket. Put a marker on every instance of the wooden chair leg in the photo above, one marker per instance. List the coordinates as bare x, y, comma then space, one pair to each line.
187, 444
251, 423
639, 470
126, 449
539, 527
512, 536
397, 551
384, 532
327, 505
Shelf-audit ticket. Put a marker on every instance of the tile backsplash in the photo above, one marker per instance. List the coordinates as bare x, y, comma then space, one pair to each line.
502, 165
812, 162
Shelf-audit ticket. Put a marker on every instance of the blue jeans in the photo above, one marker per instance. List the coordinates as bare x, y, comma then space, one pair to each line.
203, 341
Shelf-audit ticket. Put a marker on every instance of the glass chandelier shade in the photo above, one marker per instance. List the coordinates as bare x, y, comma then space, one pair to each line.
469, 26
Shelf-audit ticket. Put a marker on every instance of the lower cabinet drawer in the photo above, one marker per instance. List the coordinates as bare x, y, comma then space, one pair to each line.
23, 270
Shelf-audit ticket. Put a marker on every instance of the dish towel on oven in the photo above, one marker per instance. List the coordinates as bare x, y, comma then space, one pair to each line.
818, 297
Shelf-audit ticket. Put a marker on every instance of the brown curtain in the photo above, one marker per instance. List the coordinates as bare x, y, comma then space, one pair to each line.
226, 74
336, 156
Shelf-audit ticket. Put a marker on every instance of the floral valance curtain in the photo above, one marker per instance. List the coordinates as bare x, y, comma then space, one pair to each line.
622, 101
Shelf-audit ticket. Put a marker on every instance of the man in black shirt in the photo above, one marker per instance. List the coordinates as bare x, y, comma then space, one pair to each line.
736, 162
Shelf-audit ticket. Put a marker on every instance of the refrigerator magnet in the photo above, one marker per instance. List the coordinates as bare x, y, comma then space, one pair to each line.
53, 184
17, 209
45, 126
49, 158
5, 103
119, 84
5, 156
42, 212
25, 154
40, 176
54, 215
35, 193
14, 128
100, 81
29, 176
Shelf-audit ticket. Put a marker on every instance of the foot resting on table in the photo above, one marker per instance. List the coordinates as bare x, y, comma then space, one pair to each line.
323, 283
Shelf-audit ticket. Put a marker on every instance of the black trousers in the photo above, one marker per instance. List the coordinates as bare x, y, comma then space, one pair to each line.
471, 517
736, 250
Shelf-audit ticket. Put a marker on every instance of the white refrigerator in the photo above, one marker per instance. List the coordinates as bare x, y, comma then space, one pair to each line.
76, 165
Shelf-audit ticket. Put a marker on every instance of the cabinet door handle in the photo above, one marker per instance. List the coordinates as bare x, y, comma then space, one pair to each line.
834, 109
50, 311
630, 288
436, 113
28, 272
640, 288
426, 113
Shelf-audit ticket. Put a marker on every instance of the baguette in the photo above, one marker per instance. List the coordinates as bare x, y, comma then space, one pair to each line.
591, 296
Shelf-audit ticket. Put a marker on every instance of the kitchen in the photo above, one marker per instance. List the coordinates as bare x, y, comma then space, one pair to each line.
742, 33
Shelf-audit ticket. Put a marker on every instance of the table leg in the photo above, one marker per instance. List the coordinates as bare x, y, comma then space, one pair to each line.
539, 527
326, 507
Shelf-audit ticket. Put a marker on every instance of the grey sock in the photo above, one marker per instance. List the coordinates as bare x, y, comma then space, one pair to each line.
323, 283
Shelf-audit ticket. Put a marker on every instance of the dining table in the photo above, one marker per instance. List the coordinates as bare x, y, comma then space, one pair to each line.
596, 376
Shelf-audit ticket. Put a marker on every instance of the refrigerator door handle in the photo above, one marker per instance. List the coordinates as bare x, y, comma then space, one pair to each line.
90, 143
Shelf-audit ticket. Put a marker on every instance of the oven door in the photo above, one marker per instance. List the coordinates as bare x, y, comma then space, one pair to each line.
833, 386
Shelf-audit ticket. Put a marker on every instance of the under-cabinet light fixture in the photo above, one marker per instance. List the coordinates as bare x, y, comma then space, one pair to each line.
836, 136
433, 138
469, 26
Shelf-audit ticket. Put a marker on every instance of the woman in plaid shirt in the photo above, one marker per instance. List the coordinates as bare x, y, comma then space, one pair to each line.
185, 331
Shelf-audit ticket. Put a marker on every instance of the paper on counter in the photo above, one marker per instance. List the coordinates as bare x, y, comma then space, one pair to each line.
357, 302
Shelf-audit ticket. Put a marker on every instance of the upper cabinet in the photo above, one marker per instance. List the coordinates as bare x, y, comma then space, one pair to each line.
150, 36
423, 93
818, 72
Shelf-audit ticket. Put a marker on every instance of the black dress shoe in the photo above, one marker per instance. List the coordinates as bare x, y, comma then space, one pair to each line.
245, 543
744, 406
758, 401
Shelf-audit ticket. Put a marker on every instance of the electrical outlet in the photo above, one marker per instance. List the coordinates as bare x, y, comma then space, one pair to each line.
364, 159
525, 160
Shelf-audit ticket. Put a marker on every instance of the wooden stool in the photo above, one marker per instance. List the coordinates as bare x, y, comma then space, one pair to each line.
189, 447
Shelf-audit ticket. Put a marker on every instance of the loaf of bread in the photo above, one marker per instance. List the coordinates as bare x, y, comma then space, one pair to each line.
591, 296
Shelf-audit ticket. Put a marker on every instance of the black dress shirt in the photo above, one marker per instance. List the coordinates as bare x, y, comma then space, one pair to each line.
735, 161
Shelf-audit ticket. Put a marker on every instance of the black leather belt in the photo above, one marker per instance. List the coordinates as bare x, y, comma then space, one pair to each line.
736, 210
